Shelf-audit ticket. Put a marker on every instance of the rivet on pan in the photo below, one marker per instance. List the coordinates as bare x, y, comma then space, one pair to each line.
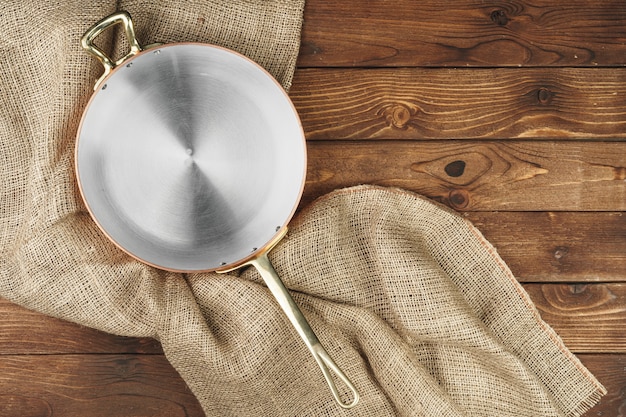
157, 52
104, 87
254, 249
277, 228
129, 65
223, 263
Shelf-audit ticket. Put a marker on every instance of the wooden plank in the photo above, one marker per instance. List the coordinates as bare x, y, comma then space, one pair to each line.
609, 370
479, 176
140, 385
558, 246
25, 331
463, 33
93, 385
589, 317
410, 103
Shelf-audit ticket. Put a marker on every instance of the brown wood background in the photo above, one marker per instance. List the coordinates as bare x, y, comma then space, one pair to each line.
513, 113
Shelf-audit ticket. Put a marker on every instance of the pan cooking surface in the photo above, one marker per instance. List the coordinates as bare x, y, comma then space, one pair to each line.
191, 157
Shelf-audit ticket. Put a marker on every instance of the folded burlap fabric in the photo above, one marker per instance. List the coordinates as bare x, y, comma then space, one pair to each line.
407, 297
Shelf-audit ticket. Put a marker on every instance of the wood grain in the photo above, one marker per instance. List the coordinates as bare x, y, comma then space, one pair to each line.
505, 175
589, 317
24, 331
572, 247
501, 103
93, 385
609, 370
463, 33
146, 385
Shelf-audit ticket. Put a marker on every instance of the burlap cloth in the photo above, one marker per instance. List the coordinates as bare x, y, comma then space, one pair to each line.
407, 297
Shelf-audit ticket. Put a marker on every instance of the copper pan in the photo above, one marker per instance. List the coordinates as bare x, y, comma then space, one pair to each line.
191, 158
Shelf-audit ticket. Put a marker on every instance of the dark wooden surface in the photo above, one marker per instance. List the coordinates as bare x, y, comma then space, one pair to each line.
513, 113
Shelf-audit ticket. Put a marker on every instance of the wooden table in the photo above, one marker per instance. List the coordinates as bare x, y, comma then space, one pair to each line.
513, 113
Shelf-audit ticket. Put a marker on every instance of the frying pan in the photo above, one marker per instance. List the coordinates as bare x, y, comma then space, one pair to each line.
191, 158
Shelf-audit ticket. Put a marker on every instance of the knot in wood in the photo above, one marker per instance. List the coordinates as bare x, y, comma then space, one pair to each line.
455, 169
398, 116
459, 199
499, 17
544, 96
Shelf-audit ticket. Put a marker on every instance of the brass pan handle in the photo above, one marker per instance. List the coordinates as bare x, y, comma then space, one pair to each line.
86, 42
299, 322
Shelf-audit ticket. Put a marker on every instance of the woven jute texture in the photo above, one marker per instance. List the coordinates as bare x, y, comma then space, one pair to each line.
407, 297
